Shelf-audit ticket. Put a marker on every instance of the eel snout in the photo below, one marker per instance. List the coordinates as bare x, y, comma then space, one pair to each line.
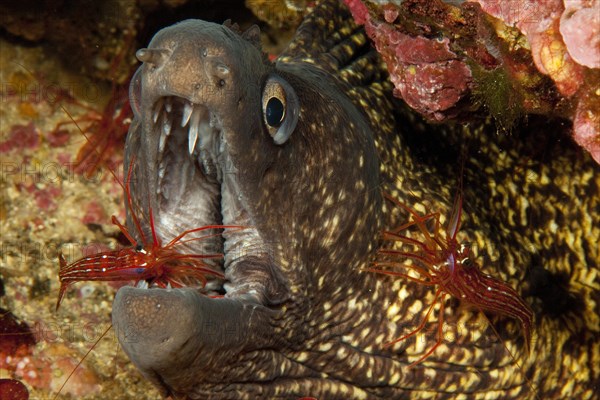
172, 335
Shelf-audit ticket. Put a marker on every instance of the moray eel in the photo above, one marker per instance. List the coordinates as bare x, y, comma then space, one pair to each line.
300, 152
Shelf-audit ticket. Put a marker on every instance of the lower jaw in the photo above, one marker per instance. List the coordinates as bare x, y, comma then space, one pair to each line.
172, 333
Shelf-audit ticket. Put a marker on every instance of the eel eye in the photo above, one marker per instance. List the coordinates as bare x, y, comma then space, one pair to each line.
274, 112
280, 108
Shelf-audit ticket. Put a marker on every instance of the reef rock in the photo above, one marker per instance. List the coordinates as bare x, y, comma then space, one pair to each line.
460, 60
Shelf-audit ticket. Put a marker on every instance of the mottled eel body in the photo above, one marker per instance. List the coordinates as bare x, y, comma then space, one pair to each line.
300, 151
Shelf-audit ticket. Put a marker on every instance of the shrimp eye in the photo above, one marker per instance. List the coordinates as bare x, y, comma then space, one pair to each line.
280, 107
467, 262
139, 248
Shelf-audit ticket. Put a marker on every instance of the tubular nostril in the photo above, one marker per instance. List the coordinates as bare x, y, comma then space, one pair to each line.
155, 57
221, 73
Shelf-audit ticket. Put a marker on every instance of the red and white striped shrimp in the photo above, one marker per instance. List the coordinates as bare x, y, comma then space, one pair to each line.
445, 264
147, 260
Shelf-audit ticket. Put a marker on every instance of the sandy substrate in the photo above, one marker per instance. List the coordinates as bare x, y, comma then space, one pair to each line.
46, 208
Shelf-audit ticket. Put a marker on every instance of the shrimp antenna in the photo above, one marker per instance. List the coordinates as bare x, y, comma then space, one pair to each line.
130, 205
80, 362
455, 216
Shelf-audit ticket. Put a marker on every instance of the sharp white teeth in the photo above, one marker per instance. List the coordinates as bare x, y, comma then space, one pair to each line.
168, 105
169, 286
193, 133
162, 143
157, 109
166, 131
192, 138
187, 113
142, 284
167, 122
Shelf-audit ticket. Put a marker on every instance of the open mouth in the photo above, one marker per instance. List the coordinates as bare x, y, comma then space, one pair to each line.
194, 185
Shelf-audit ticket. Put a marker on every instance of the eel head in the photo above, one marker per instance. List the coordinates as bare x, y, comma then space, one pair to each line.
223, 136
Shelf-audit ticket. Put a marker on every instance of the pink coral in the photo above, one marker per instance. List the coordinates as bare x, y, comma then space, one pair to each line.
360, 13
586, 124
565, 43
439, 55
580, 29
539, 22
21, 137
44, 196
426, 73
551, 57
